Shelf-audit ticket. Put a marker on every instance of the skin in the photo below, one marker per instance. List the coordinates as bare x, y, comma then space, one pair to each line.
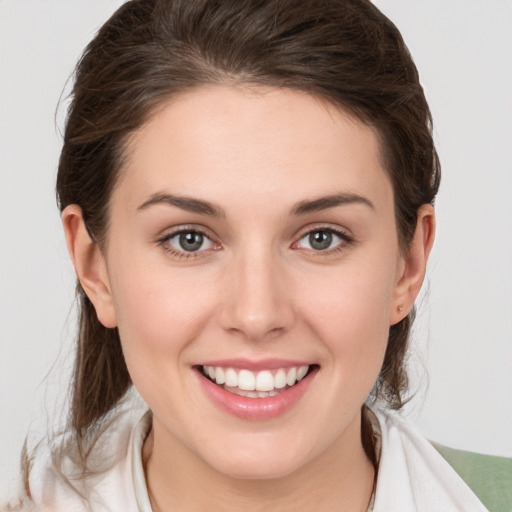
257, 290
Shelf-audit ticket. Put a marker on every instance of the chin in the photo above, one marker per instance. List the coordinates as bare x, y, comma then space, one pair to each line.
262, 461
248, 469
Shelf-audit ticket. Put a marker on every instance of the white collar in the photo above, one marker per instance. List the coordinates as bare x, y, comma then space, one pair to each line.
139, 481
413, 476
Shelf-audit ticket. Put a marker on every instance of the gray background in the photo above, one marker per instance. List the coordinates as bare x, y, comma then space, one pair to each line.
463, 50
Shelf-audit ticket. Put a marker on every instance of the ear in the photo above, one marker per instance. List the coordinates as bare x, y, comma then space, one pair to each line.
413, 265
90, 265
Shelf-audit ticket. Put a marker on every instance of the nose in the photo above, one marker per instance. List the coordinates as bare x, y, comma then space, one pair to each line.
258, 302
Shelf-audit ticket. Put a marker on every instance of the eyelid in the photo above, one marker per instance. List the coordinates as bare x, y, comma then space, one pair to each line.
176, 230
343, 233
338, 230
169, 233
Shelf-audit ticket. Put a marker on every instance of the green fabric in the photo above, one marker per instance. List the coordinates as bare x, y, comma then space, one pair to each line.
489, 477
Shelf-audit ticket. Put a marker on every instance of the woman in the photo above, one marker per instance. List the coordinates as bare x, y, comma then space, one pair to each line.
246, 191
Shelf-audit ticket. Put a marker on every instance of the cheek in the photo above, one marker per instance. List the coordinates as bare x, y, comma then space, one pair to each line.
159, 313
350, 314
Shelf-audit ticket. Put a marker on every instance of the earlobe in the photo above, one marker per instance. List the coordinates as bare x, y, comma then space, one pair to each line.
89, 263
414, 264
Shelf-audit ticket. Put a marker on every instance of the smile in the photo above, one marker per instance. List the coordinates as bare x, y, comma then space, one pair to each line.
263, 392
261, 384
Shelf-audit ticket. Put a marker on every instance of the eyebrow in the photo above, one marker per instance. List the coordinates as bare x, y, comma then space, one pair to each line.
203, 207
188, 204
326, 202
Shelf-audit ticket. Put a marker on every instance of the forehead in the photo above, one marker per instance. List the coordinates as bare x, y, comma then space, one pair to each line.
236, 144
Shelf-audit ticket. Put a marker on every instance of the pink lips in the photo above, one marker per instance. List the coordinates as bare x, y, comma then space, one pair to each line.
254, 366
256, 408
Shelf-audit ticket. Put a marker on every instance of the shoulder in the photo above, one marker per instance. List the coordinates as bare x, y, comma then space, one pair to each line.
412, 471
58, 480
490, 477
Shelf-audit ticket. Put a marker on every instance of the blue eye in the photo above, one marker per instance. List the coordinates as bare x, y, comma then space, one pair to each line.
322, 240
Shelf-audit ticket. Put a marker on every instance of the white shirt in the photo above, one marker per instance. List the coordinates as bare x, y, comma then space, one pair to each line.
413, 476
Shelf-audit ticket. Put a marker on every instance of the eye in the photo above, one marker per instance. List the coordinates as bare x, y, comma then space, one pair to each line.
189, 241
322, 240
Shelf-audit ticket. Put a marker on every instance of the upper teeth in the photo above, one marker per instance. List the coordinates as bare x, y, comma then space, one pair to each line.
265, 380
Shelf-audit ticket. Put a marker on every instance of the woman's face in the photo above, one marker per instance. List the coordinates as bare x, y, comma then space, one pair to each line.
253, 233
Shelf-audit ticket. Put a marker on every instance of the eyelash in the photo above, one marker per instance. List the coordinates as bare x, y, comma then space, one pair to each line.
346, 240
164, 242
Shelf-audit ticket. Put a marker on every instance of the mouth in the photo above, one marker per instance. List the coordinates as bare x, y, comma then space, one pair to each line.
256, 384
260, 393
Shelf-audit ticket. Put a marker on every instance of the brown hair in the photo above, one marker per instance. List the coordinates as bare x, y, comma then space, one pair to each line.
344, 51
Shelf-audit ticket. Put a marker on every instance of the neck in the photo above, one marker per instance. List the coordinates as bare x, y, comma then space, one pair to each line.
339, 479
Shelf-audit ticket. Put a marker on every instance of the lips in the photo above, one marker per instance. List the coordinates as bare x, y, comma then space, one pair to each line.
259, 392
